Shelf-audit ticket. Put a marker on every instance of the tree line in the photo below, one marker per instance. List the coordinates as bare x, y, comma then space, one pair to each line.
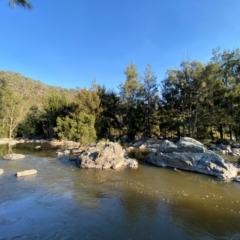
197, 100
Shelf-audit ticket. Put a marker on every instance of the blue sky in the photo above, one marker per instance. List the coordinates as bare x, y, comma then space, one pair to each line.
69, 43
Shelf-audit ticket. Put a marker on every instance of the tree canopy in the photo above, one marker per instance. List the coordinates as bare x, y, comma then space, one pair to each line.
200, 100
22, 3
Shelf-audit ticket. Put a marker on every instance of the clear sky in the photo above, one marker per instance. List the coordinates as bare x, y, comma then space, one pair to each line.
69, 43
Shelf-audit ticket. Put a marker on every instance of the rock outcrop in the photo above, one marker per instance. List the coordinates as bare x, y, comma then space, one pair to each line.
189, 154
26, 173
105, 156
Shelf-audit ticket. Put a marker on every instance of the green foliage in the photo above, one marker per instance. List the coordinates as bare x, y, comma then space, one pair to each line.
197, 100
151, 102
88, 101
31, 126
130, 94
13, 108
129, 90
56, 105
108, 120
203, 99
3, 127
80, 128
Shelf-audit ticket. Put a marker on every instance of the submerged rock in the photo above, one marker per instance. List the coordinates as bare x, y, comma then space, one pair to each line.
14, 156
1, 171
189, 154
63, 152
26, 173
111, 155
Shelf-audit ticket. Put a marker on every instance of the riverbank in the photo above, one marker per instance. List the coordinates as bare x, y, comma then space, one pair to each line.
52, 142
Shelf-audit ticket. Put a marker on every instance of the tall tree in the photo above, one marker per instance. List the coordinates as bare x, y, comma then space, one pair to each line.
56, 105
32, 125
88, 101
130, 92
3, 88
229, 73
150, 98
108, 121
185, 93
14, 109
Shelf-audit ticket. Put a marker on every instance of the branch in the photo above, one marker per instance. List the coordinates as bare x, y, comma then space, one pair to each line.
22, 3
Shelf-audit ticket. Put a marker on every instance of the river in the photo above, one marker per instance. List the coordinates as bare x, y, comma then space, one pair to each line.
64, 202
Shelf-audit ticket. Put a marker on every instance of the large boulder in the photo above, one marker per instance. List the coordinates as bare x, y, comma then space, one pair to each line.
189, 154
110, 155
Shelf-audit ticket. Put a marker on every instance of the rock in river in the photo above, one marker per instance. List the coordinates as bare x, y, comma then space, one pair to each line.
109, 155
14, 156
189, 154
1, 171
26, 173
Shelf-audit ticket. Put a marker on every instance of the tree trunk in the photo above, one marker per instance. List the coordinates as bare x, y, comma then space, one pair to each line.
10, 134
178, 132
211, 134
194, 125
221, 131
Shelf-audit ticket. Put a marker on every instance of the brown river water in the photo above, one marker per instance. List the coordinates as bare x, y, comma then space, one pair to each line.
64, 202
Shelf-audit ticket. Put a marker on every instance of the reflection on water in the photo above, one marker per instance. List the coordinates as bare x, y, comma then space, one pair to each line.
63, 202
138, 154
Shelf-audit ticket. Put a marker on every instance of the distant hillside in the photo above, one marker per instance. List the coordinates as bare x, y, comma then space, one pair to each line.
35, 91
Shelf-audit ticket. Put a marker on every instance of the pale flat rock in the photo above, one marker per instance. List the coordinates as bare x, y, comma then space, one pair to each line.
8, 141
1, 171
26, 173
56, 143
14, 156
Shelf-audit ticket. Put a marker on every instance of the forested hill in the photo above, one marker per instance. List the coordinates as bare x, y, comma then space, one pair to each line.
200, 100
35, 91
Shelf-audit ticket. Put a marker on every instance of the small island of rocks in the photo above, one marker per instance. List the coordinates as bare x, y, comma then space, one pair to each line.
105, 156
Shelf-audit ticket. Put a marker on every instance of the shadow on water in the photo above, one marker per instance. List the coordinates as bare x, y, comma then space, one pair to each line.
138, 154
64, 202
